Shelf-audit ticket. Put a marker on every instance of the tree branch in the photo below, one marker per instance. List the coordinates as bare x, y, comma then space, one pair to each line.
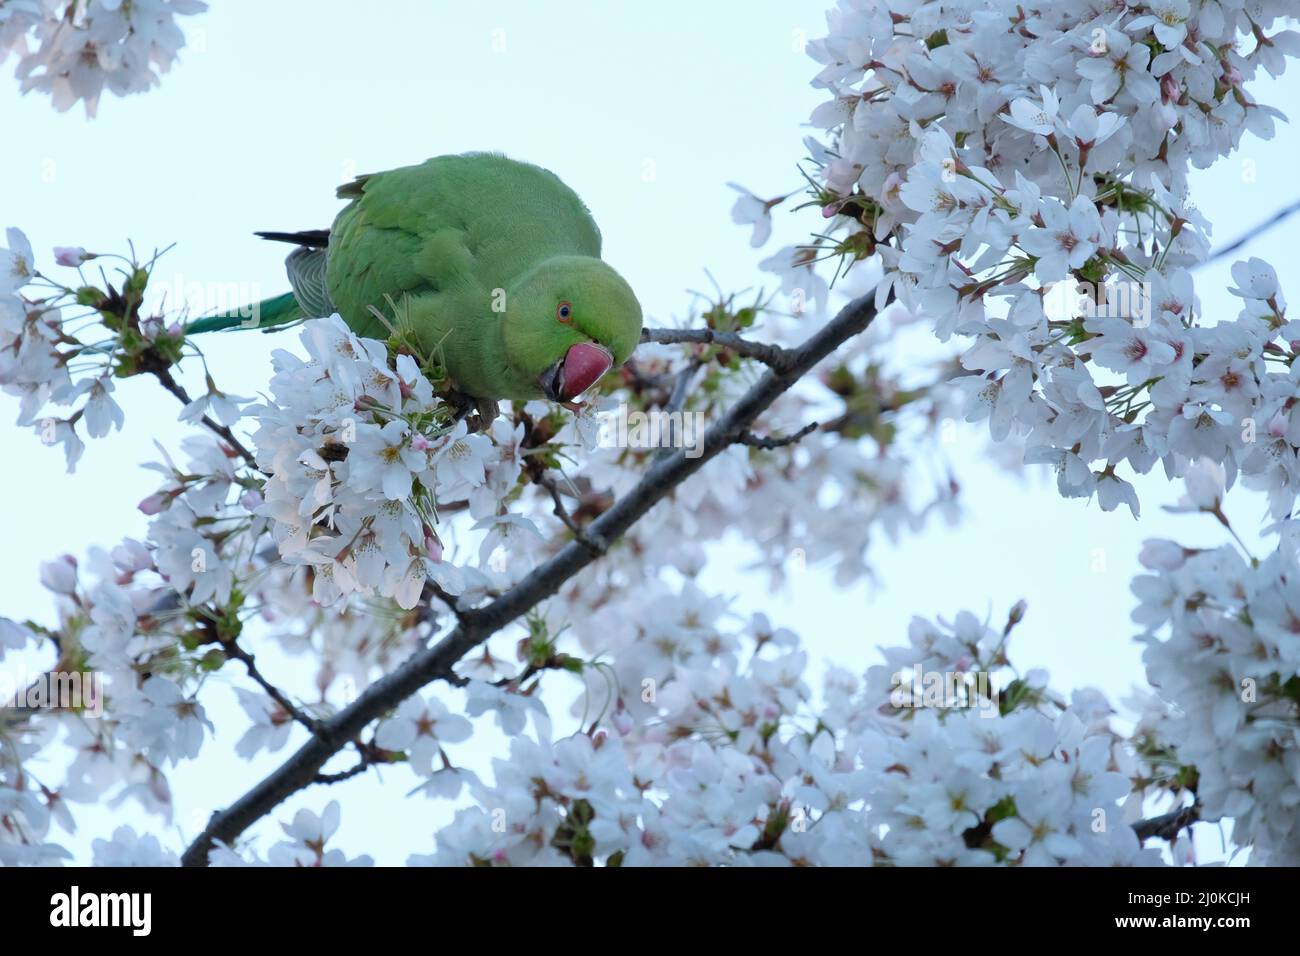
772, 355
682, 387
443, 595
477, 625
677, 400
1167, 826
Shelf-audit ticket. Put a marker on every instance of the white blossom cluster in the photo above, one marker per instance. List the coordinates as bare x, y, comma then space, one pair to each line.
212, 518
42, 362
1021, 170
986, 157
201, 535
734, 764
73, 50
359, 456
997, 156
116, 619
783, 504
1227, 673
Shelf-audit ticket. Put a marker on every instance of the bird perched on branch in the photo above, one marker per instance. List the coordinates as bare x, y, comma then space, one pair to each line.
485, 266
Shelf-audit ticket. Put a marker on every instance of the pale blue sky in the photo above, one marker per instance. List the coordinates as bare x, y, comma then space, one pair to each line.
647, 111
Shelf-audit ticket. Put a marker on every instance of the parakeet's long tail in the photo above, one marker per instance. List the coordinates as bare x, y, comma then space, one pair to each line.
267, 315
306, 268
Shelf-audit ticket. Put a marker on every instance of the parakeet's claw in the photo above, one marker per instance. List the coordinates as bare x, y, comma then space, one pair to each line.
487, 409
583, 366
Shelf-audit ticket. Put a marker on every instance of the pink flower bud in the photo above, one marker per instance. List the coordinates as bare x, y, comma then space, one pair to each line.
434, 547
1018, 611
1169, 88
153, 504
251, 500
623, 722
71, 255
60, 575
1205, 482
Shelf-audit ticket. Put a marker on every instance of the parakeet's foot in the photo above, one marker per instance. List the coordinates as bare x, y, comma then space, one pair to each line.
488, 410
478, 413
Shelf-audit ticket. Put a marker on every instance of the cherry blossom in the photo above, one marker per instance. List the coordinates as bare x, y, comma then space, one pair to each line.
82, 48
1015, 177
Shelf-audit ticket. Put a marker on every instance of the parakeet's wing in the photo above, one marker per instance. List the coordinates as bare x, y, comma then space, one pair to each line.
456, 227
306, 268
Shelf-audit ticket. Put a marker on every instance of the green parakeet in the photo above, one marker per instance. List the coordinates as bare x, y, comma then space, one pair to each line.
488, 266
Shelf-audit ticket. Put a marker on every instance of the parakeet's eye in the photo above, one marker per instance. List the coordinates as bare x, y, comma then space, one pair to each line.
564, 312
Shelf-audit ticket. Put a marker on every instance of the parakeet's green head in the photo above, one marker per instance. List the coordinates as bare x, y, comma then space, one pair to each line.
569, 320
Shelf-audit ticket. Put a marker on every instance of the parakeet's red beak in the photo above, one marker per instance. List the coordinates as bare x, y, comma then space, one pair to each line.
583, 366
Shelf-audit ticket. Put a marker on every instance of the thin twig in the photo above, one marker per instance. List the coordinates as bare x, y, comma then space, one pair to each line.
168, 382
677, 400
1252, 233
557, 663
594, 542
772, 355
233, 650
369, 755
360, 767
768, 442
477, 625
682, 387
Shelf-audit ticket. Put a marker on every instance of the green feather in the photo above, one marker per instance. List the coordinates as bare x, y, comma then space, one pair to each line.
266, 315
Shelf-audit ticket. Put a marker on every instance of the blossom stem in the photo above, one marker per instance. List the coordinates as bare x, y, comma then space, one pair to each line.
223, 432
